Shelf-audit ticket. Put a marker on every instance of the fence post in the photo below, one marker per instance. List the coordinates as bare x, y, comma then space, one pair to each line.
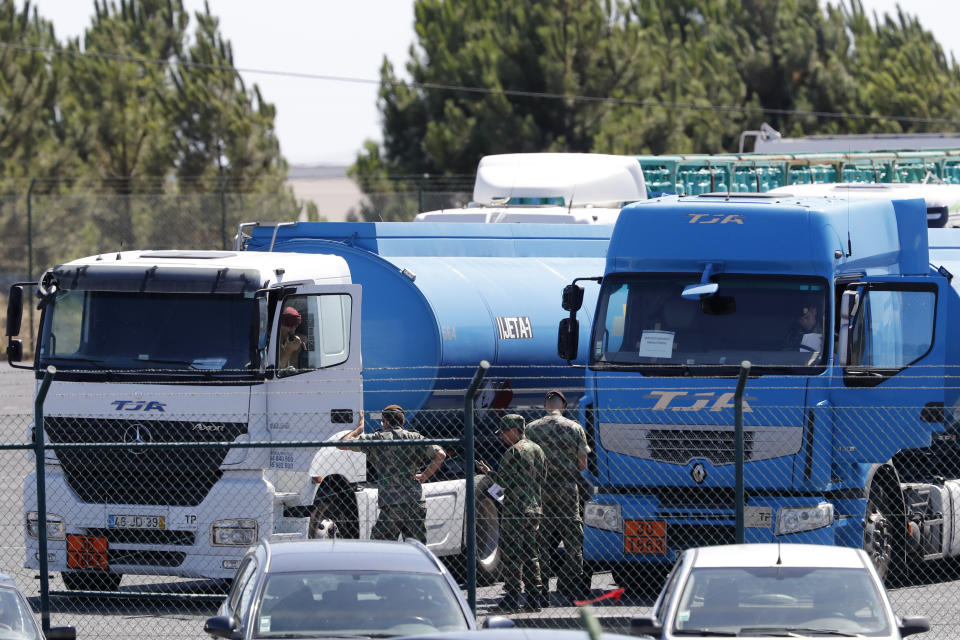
470, 553
38, 437
223, 214
738, 445
33, 182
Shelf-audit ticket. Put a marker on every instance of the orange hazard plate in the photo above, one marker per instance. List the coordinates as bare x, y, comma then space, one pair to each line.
86, 552
645, 536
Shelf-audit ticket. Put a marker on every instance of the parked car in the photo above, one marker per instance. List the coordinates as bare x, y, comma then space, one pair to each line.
336, 588
774, 590
17, 619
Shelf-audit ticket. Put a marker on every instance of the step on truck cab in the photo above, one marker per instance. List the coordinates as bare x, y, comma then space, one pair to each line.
844, 308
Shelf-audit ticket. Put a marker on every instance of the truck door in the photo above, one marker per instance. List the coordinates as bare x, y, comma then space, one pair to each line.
318, 391
891, 360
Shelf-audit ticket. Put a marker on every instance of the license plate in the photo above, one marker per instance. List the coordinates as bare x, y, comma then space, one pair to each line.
136, 522
645, 536
87, 552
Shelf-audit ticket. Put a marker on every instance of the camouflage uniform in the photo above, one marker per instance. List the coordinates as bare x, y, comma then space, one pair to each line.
521, 473
563, 441
400, 497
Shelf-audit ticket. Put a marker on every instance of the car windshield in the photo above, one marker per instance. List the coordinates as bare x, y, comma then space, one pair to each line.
164, 333
777, 323
362, 604
16, 619
772, 600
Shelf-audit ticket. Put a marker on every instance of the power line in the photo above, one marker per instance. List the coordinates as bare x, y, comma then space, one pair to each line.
515, 93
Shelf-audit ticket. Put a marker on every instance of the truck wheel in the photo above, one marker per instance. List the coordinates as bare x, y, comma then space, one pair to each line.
640, 580
91, 580
878, 531
488, 533
334, 513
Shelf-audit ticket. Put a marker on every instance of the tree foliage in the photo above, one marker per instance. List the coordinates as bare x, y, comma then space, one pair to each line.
645, 76
138, 96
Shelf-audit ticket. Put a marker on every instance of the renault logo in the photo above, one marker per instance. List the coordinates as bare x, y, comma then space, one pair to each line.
137, 434
698, 473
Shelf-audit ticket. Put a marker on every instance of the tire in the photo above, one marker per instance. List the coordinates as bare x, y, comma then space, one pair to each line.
640, 580
882, 520
334, 513
489, 557
91, 580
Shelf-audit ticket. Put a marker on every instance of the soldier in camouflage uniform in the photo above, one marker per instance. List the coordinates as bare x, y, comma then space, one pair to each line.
564, 444
400, 497
521, 474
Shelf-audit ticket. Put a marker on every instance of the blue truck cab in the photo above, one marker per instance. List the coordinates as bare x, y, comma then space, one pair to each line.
844, 319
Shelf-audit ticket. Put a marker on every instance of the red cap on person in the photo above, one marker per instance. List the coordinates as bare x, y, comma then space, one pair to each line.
290, 317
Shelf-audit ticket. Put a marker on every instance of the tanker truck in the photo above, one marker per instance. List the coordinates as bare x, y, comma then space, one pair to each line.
844, 308
182, 346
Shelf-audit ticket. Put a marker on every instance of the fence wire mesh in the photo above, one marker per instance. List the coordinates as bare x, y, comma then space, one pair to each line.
146, 503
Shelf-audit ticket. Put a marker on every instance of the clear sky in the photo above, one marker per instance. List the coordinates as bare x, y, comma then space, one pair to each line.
325, 121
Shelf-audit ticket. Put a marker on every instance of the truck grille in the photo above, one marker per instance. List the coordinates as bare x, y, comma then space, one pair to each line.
677, 446
685, 536
161, 476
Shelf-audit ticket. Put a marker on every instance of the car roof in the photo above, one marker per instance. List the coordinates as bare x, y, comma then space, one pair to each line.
517, 633
773, 554
349, 555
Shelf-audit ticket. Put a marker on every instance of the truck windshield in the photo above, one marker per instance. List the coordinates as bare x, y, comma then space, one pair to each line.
160, 332
777, 323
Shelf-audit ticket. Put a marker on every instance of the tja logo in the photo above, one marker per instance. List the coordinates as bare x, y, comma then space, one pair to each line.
680, 401
138, 405
715, 218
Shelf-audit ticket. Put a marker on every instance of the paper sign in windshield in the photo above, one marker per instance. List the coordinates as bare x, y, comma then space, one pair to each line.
656, 344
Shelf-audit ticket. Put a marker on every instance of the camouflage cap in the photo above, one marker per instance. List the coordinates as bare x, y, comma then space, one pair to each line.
511, 421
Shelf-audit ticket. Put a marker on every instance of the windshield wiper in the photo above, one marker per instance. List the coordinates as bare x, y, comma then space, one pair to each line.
706, 631
795, 632
96, 361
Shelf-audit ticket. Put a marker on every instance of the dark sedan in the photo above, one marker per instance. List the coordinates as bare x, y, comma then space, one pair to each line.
343, 589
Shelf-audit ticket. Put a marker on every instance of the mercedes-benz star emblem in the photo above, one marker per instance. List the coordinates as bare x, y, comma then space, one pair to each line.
698, 473
137, 434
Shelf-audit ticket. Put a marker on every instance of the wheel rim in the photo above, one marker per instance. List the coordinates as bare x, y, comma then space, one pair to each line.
320, 526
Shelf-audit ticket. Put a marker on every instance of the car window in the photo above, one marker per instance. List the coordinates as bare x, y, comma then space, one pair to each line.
240, 582
669, 586
246, 593
16, 619
358, 603
736, 598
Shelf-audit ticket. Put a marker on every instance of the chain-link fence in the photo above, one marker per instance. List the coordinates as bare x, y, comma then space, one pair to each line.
148, 512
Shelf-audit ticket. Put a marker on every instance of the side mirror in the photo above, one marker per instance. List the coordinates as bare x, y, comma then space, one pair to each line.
645, 626
14, 310
264, 330
910, 625
572, 298
61, 633
14, 350
498, 622
568, 338
219, 626
849, 302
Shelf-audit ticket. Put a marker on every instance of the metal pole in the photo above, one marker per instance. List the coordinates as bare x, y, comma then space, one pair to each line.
470, 553
38, 437
33, 182
738, 445
223, 214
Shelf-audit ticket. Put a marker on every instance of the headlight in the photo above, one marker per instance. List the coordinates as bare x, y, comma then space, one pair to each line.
796, 519
601, 515
234, 533
56, 529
